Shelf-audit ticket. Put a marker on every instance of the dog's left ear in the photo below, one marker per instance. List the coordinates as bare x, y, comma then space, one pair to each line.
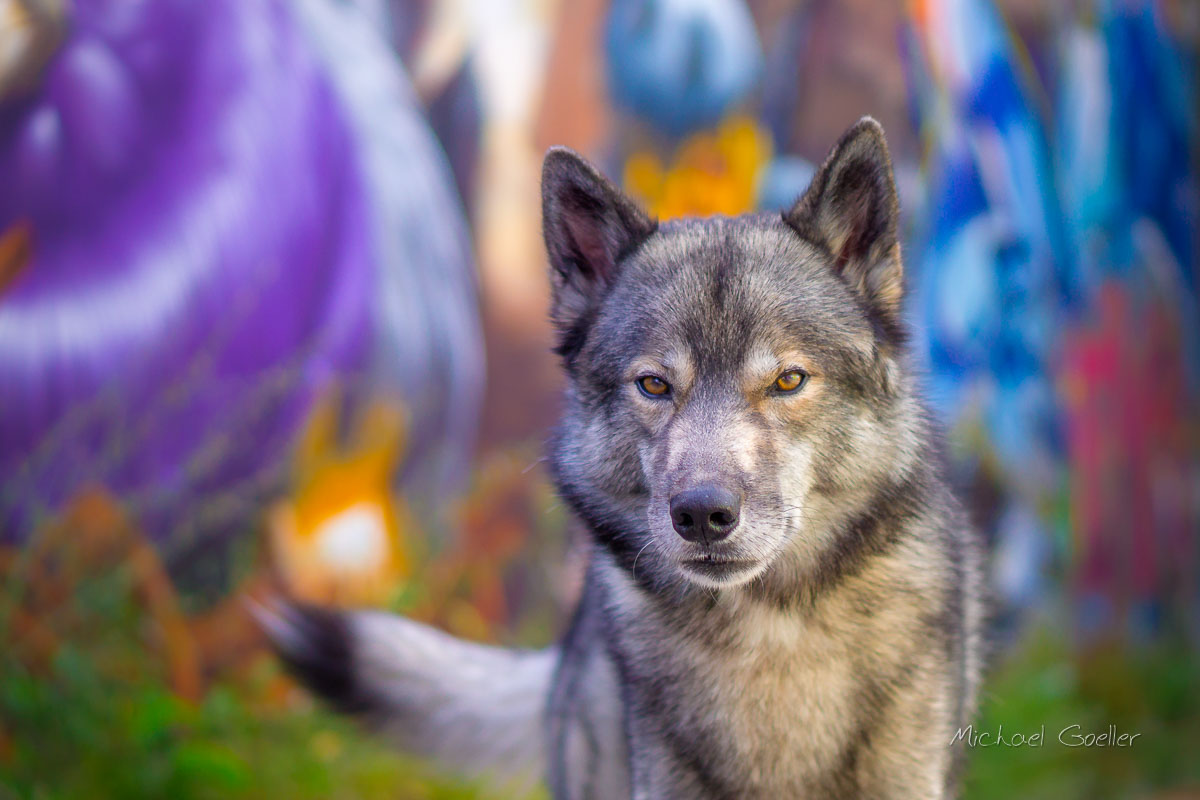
851, 209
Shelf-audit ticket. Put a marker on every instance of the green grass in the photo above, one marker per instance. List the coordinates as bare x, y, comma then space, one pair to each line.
1153, 691
75, 734
100, 722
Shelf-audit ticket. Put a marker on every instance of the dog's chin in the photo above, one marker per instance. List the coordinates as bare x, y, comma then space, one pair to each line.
718, 572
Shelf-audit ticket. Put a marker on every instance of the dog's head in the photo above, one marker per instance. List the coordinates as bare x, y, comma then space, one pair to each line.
736, 386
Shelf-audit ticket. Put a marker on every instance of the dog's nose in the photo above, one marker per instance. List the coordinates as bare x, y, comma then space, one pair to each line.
705, 514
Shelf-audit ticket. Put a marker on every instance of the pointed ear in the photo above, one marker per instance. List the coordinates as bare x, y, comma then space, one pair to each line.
589, 226
851, 209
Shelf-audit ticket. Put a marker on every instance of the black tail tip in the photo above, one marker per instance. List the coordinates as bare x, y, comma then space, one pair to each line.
316, 645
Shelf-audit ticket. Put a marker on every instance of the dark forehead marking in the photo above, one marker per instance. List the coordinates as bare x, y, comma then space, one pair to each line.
725, 262
718, 332
707, 304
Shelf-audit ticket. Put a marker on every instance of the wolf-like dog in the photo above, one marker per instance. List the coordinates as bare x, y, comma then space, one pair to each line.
783, 598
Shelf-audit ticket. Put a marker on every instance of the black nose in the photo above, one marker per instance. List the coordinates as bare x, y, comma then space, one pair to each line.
707, 513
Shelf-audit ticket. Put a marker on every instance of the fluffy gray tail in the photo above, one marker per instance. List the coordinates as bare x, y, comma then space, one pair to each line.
475, 709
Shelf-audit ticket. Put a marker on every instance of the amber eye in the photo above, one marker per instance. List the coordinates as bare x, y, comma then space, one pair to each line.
790, 381
653, 386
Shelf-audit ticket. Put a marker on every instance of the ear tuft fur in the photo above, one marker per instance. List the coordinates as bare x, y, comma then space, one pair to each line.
851, 209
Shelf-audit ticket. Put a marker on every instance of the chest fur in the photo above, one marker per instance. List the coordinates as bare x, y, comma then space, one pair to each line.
739, 699
768, 701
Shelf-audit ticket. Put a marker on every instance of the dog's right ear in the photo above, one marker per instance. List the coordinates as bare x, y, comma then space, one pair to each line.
589, 226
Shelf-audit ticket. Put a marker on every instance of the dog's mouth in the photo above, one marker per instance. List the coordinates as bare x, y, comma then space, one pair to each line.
712, 570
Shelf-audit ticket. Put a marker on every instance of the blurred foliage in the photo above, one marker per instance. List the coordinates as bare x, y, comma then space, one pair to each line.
1154, 692
73, 733
113, 685
100, 719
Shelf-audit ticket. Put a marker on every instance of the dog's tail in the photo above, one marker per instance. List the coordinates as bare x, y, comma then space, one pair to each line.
474, 709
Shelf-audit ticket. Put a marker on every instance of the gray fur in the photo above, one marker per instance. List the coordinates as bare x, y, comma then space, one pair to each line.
830, 646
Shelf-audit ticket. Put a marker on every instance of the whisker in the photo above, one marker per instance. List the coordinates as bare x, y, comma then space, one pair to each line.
633, 570
534, 464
